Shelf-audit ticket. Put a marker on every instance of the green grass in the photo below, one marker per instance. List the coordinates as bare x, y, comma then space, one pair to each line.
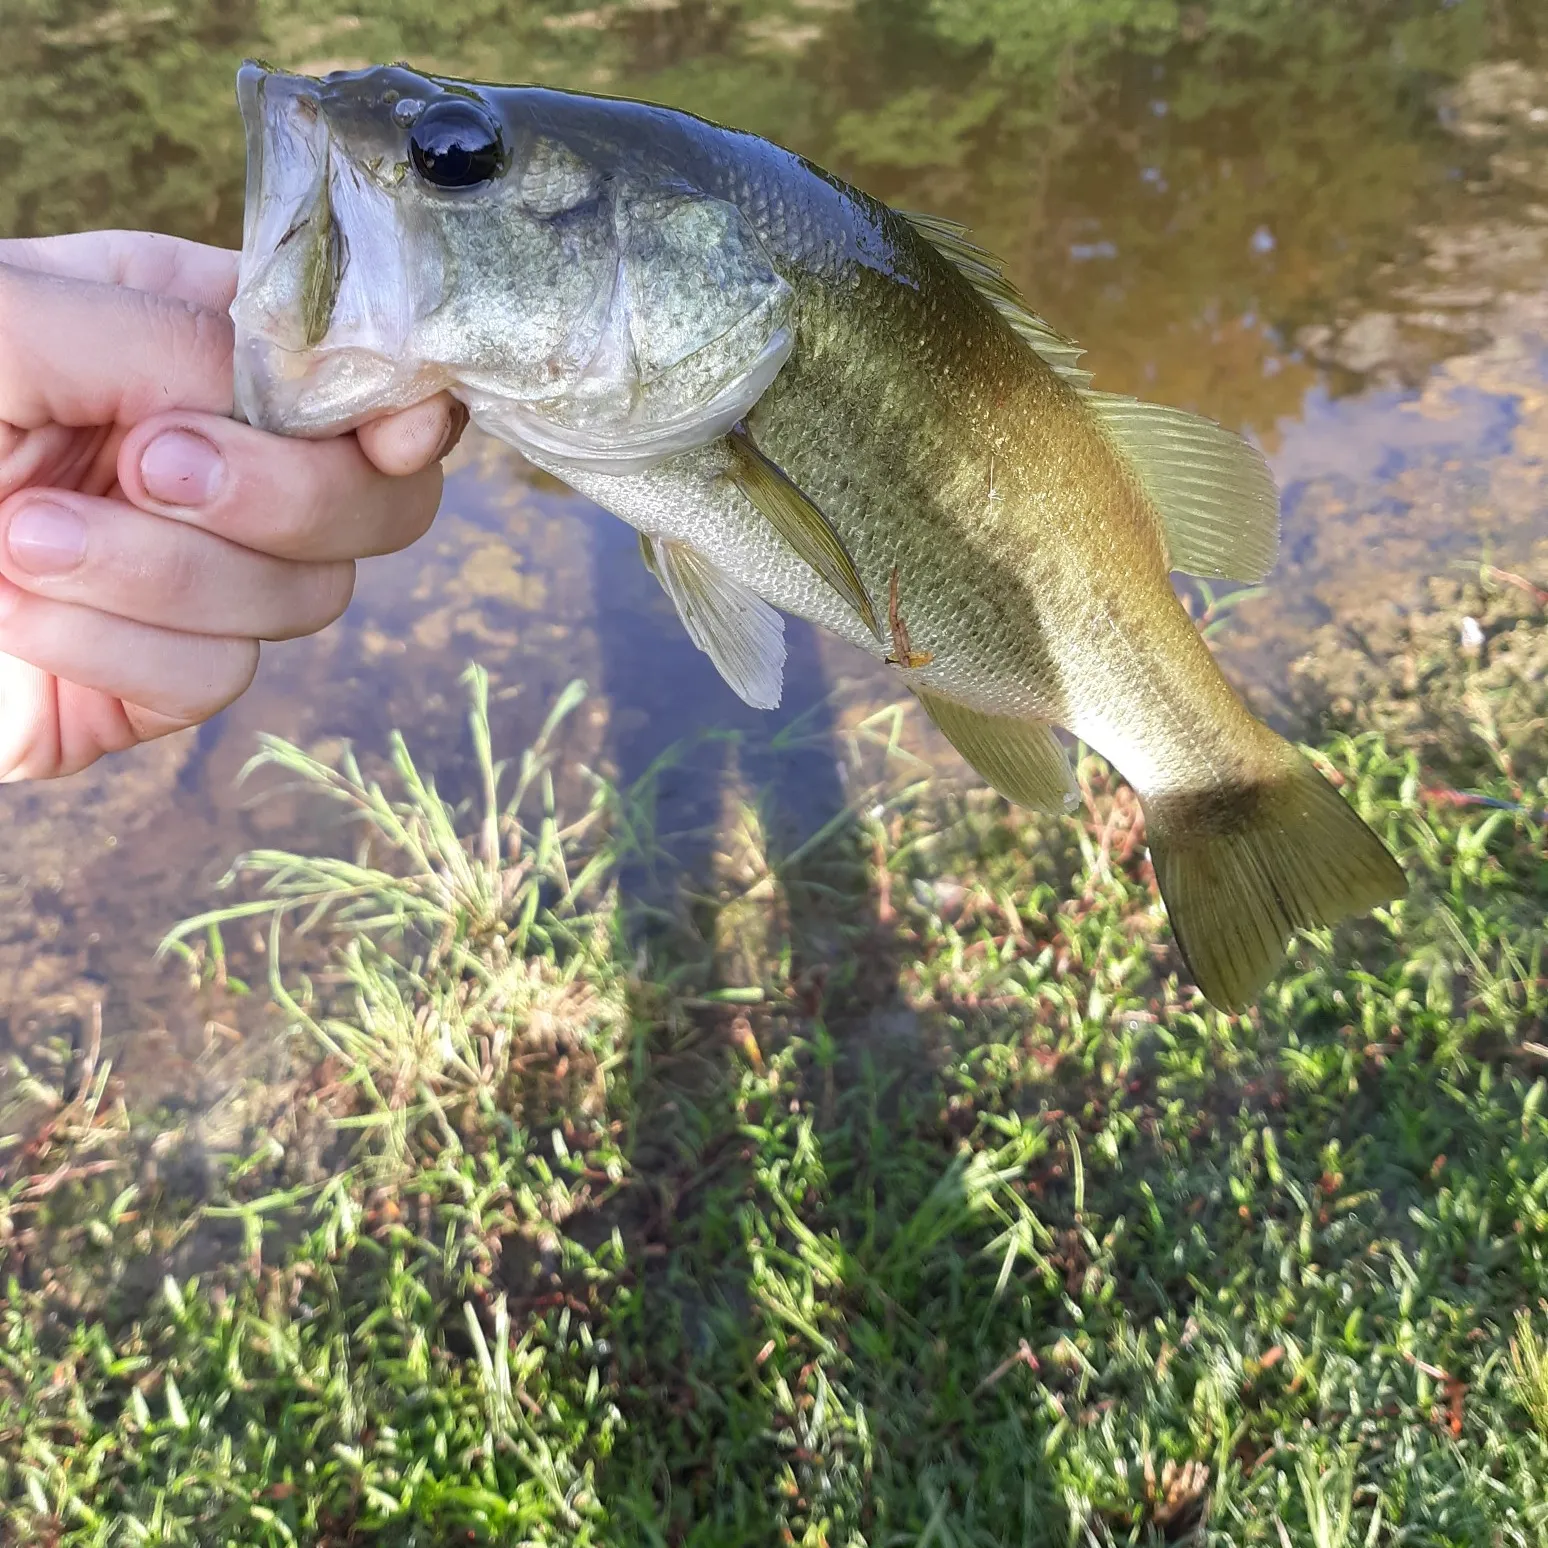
892, 1191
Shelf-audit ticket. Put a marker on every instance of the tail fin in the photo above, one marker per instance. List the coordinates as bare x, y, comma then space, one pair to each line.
1241, 867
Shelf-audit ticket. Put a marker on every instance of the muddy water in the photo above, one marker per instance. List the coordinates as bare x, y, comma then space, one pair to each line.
1323, 224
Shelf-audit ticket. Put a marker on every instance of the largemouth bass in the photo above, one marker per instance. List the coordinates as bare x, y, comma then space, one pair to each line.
805, 402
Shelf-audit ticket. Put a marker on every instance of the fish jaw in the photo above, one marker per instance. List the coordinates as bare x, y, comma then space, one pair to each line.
616, 450
328, 289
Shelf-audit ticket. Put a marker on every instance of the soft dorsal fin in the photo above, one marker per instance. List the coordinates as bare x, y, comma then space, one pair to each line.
733, 626
1022, 759
1214, 493
1216, 498
986, 274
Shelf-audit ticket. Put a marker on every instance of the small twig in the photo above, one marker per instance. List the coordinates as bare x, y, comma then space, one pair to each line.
90, 1054
41, 1187
903, 653
1444, 796
1023, 1356
1510, 578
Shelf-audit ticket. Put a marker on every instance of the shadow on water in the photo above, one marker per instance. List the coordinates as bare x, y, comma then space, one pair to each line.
665, 693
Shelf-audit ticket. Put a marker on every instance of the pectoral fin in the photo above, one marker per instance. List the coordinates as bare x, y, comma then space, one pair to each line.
793, 515
736, 629
1022, 759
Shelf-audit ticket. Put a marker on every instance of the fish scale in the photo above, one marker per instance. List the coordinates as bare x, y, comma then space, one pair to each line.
804, 399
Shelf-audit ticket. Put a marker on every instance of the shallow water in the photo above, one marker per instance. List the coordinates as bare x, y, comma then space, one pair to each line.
1325, 225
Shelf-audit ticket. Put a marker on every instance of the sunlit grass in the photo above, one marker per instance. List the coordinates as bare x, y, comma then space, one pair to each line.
895, 1189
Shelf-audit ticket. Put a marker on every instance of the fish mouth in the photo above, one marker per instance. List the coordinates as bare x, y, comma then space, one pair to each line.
293, 251
324, 304
249, 90
287, 154
250, 101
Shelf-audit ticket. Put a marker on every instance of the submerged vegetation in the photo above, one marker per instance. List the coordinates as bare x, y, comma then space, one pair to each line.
890, 1190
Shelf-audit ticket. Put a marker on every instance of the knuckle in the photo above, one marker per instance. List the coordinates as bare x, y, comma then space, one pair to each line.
196, 343
338, 589
408, 507
36, 754
330, 587
292, 524
276, 493
13, 305
206, 344
224, 670
17, 287
29, 719
181, 574
425, 497
14, 604
11, 280
316, 595
241, 668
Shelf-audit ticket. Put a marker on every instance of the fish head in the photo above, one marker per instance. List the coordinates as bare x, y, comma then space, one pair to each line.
550, 259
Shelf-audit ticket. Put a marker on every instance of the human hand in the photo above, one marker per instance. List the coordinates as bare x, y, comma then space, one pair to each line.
148, 541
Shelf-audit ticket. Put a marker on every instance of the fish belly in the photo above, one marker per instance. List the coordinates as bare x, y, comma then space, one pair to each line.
688, 500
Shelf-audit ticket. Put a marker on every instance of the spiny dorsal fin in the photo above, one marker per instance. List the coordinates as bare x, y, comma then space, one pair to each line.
1022, 759
792, 513
1215, 495
733, 626
986, 274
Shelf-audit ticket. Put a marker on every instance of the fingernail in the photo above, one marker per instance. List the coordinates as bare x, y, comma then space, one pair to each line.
46, 539
181, 468
458, 423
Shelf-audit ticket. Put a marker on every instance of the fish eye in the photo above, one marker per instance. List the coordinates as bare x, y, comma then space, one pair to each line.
455, 144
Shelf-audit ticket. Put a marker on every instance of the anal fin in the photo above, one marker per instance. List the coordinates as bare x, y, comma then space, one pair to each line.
1022, 759
733, 626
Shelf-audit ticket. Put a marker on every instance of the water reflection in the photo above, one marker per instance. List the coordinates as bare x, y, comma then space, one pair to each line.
1325, 225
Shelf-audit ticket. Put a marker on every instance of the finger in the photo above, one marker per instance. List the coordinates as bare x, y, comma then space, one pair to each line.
77, 353
405, 442
107, 555
292, 498
142, 260
29, 722
185, 678
50, 728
